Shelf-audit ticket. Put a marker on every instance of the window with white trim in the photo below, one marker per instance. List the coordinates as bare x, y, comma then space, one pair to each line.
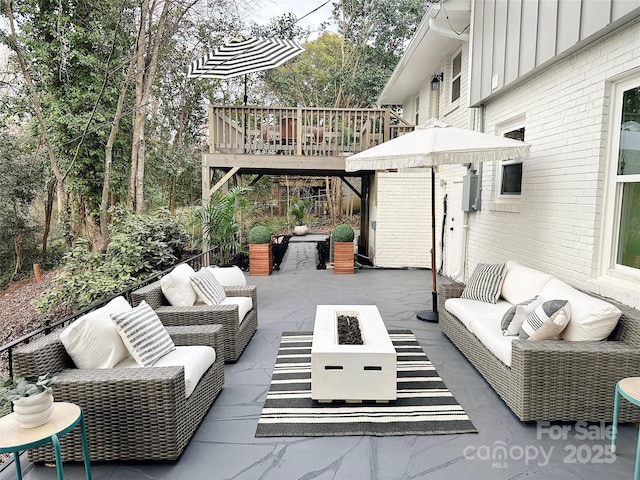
626, 219
509, 178
456, 76
417, 119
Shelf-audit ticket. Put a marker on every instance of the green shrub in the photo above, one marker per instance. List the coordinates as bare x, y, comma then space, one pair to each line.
259, 234
86, 277
343, 233
140, 245
145, 243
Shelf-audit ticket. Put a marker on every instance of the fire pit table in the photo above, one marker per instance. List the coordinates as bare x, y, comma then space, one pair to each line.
352, 372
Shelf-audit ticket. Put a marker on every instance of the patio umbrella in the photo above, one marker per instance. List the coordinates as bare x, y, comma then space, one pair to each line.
429, 145
242, 56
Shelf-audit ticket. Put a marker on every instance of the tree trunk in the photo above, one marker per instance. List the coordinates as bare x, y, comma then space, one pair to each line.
48, 212
64, 215
147, 51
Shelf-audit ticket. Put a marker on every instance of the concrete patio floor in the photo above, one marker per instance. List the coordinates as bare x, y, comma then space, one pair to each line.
225, 447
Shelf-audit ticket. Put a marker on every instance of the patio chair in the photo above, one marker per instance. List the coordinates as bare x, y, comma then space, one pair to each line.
131, 413
236, 331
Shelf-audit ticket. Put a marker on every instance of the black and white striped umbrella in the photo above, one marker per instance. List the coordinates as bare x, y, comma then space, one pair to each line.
245, 55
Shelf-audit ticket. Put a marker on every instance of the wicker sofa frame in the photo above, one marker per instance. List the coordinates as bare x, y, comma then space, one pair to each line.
130, 413
236, 334
553, 380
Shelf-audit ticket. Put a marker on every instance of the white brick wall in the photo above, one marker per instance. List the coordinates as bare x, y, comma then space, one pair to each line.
403, 219
558, 223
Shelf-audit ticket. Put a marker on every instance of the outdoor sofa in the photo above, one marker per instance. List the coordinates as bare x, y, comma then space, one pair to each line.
547, 380
131, 412
238, 312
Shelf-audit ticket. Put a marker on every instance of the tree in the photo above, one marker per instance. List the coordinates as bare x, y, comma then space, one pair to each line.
91, 69
20, 176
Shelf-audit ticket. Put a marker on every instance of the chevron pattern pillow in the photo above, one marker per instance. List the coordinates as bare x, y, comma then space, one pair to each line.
143, 334
485, 283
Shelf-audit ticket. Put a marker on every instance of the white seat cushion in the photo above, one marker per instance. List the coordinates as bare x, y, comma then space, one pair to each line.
522, 283
176, 286
490, 334
228, 276
245, 304
92, 341
470, 312
195, 359
592, 319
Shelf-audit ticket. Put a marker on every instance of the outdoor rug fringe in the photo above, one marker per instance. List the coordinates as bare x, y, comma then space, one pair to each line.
424, 406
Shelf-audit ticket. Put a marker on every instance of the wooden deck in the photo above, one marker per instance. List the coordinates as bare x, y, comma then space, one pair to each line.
291, 141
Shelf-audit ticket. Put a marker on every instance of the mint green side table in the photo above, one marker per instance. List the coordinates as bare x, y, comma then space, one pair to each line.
628, 388
65, 417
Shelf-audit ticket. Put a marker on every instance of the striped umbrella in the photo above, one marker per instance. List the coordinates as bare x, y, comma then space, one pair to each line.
244, 55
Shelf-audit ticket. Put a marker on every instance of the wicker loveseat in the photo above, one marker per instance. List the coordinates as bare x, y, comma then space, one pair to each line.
554, 379
131, 413
236, 333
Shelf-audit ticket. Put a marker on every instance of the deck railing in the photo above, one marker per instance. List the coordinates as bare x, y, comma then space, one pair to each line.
300, 131
197, 262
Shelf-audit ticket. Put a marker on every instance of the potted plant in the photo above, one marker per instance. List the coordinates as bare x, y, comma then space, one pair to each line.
32, 399
343, 252
297, 209
260, 255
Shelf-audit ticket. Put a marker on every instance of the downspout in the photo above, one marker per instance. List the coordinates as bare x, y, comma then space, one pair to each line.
465, 217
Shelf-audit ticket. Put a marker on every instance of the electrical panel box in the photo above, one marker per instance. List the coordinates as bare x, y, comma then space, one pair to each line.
470, 192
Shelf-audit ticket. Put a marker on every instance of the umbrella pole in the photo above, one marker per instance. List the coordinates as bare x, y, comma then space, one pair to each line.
432, 315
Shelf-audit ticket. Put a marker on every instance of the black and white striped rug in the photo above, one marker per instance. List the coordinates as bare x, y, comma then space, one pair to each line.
424, 406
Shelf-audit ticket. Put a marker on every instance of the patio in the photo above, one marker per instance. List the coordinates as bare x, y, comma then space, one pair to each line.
225, 447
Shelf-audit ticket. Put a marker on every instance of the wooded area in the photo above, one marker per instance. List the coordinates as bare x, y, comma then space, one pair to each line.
97, 111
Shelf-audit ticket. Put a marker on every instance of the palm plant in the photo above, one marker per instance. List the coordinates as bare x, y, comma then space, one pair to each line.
219, 223
298, 209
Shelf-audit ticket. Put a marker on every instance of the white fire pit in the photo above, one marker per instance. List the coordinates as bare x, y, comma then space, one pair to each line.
352, 372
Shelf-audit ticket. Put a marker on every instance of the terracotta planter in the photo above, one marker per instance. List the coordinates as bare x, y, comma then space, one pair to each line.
34, 411
343, 257
260, 259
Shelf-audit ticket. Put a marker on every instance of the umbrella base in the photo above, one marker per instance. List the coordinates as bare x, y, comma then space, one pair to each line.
427, 316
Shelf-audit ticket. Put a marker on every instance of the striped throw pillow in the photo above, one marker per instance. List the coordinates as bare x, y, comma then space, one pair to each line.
485, 283
547, 321
208, 287
143, 334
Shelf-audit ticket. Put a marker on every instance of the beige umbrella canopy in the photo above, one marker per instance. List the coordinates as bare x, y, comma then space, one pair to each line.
429, 145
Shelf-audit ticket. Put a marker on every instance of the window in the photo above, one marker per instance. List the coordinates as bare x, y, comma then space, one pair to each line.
510, 172
456, 74
627, 180
417, 119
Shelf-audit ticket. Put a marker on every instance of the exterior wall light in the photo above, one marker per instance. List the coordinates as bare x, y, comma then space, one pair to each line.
435, 81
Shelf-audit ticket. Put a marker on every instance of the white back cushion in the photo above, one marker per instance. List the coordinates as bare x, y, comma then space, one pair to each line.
92, 341
522, 283
228, 276
592, 319
176, 286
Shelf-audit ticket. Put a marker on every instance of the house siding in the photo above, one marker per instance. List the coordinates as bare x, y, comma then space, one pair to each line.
538, 33
557, 224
